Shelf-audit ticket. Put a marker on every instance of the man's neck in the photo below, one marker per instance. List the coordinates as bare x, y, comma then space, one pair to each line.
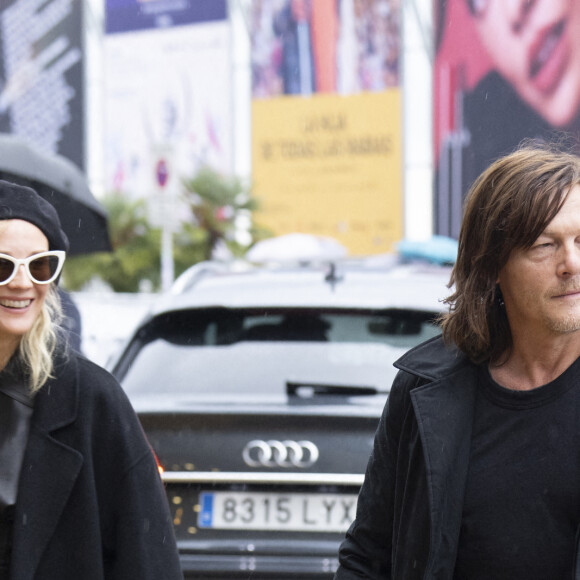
532, 364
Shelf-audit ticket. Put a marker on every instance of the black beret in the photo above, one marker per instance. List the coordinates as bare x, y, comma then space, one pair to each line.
18, 202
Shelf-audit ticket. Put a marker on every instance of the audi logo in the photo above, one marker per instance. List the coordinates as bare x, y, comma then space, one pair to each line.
258, 453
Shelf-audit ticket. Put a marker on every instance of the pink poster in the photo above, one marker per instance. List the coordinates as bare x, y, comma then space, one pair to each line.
504, 71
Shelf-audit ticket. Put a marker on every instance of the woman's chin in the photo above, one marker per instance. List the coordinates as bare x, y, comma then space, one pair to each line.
562, 109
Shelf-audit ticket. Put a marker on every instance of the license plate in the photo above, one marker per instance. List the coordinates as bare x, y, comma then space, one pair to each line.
273, 511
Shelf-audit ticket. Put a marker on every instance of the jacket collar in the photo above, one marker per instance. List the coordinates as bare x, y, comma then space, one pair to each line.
432, 360
49, 470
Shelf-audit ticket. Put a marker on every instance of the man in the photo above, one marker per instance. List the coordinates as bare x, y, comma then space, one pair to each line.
475, 471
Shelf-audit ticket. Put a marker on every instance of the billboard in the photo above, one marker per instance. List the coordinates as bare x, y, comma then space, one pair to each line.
42, 74
503, 72
127, 15
326, 119
167, 92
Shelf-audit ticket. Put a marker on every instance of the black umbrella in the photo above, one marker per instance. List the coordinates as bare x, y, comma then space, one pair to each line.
64, 185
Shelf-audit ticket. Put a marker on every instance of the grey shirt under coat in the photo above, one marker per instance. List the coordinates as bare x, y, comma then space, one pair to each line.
90, 501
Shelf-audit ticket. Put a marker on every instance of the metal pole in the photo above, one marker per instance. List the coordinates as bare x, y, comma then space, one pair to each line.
167, 269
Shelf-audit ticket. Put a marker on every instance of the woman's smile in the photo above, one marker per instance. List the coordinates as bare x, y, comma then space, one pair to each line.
549, 56
15, 304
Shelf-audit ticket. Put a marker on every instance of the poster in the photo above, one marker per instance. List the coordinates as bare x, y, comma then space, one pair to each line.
167, 93
330, 166
42, 74
326, 120
504, 72
132, 15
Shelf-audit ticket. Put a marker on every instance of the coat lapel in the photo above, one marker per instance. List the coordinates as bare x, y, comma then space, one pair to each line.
49, 471
445, 411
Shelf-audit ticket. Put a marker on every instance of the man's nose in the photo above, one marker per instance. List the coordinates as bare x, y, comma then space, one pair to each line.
570, 262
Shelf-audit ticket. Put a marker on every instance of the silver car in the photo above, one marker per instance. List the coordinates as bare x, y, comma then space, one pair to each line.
260, 390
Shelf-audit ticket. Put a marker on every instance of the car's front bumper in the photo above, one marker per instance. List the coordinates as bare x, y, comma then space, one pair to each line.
313, 562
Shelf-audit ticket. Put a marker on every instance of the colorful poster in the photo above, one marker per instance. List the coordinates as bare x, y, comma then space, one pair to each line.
42, 74
504, 72
326, 119
167, 94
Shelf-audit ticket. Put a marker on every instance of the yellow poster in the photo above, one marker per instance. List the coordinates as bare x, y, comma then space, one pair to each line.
330, 165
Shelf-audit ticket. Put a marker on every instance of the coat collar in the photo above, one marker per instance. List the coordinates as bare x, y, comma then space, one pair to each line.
49, 470
432, 360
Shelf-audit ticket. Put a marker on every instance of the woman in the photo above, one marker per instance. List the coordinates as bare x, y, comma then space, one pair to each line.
535, 47
532, 89
80, 495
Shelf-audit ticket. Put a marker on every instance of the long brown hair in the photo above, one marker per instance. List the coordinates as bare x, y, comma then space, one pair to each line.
509, 206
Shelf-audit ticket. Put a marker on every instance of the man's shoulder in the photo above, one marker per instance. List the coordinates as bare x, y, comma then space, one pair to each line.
432, 360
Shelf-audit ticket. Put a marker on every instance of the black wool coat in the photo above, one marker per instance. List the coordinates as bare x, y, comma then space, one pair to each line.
410, 506
91, 504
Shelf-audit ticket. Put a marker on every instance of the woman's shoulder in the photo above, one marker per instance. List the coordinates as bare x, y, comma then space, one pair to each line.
95, 399
94, 385
71, 363
88, 367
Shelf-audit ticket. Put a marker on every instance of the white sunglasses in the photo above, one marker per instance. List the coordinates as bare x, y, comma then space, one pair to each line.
41, 268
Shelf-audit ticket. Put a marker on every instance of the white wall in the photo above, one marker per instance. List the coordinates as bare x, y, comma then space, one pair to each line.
94, 78
417, 118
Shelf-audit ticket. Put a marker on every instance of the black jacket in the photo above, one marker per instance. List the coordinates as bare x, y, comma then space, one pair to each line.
90, 502
410, 506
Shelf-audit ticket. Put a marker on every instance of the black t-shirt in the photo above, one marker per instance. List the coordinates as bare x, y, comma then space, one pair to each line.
522, 503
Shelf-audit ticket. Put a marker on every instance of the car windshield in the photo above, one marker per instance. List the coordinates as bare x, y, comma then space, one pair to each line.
239, 351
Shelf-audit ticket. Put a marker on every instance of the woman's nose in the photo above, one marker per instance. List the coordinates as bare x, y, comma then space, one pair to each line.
518, 13
21, 279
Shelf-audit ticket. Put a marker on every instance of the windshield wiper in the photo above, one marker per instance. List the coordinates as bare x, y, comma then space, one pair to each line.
309, 390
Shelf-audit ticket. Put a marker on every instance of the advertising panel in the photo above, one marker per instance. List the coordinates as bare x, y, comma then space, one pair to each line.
326, 120
42, 74
504, 72
126, 15
167, 93
331, 166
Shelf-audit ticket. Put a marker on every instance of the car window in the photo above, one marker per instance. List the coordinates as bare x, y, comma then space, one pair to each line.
208, 350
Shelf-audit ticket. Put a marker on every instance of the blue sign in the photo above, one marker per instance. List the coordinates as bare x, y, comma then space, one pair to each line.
130, 15
205, 519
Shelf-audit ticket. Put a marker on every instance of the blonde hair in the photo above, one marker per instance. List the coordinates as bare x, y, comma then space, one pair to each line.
37, 347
